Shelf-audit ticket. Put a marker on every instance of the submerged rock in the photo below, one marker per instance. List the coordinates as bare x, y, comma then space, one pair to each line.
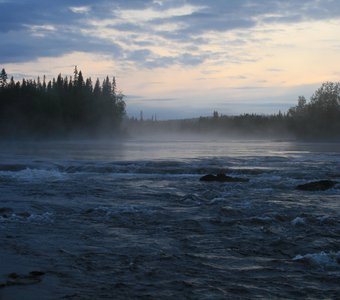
320, 185
22, 279
4, 210
23, 214
222, 178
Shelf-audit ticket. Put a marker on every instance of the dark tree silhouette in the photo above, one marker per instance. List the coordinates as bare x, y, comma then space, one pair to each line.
3, 78
317, 119
59, 107
320, 118
69, 105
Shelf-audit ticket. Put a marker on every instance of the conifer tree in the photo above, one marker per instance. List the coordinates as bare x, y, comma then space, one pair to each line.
97, 89
80, 80
3, 78
62, 105
75, 75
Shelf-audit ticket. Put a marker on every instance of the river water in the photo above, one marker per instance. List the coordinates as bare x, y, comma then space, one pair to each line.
131, 220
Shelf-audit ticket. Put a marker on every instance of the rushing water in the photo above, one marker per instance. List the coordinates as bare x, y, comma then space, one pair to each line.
131, 220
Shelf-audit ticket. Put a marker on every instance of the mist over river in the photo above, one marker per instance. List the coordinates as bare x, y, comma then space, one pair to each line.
131, 220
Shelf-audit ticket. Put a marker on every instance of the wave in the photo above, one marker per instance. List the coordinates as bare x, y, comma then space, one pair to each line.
258, 170
298, 221
321, 259
23, 217
137, 167
140, 167
12, 167
29, 174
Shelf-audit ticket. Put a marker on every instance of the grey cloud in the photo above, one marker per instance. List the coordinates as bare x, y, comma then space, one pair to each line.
160, 99
234, 14
127, 27
200, 23
275, 70
247, 87
193, 60
158, 62
139, 55
242, 77
15, 14
23, 46
133, 97
142, 43
148, 59
18, 44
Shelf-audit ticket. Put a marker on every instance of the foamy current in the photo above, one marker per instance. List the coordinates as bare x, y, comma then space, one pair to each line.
131, 220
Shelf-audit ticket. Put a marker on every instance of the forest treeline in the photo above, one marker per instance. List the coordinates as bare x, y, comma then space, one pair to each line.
320, 117
316, 119
59, 107
68, 106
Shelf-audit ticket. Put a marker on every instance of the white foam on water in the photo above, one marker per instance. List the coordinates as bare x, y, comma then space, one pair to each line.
323, 219
326, 219
217, 200
265, 219
322, 259
26, 217
41, 218
125, 210
29, 174
298, 221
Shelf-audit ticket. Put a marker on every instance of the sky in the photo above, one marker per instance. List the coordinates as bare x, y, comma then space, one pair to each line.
179, 58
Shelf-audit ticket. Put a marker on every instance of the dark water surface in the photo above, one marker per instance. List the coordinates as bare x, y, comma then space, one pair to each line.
131, 220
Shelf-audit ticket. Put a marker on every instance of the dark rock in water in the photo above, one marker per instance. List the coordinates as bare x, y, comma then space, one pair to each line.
22, 279
13, 275
208, 177
320, 185
23, 214
222, 178
5, 210
37, 273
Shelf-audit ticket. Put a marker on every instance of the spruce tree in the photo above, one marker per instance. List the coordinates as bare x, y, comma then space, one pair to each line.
3, 78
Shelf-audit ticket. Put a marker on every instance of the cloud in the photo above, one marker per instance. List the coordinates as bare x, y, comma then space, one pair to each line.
147, 59
80, 9
275, 70
160, 100
192, 60
147, 33
150, 14
247, 87
193, 54
34, 42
